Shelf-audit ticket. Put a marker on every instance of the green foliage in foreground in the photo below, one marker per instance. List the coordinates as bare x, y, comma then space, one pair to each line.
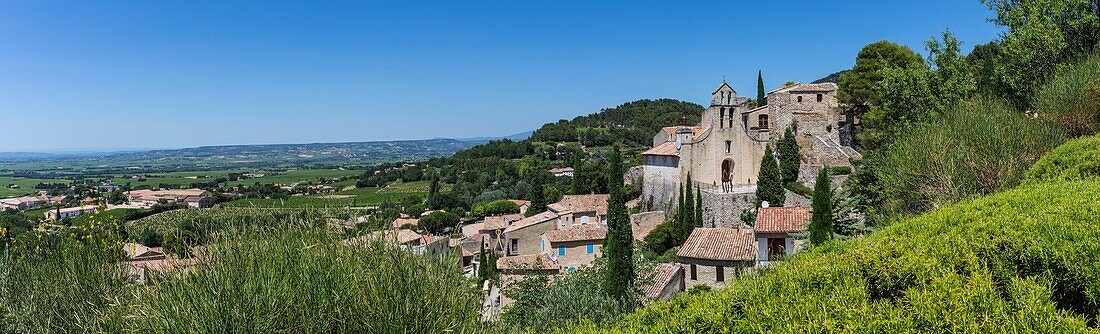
1076, 160
1025, 260
293, 279
982, 147
1072, 99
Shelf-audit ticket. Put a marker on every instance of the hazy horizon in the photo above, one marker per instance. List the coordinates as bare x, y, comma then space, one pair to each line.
128, 75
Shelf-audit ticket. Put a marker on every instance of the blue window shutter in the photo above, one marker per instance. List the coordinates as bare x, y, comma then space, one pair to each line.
591, 249
561, 250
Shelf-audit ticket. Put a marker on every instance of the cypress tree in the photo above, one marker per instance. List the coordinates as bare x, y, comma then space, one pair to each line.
433, 194
689, 211
789, 157
538, 198
698, 209
482, 267
769, 184
678, 221
760, 98
619, 248
821, 225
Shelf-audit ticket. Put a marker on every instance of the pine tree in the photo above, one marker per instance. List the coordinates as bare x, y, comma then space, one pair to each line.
790, 160
619, 248
760, 98
821, 224
769, 184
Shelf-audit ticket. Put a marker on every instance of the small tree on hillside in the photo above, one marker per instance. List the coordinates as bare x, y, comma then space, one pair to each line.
821, 225
769, 184
619, 248
790, 160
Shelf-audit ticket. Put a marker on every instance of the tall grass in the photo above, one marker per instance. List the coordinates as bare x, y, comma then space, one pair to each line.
981, 147
57, 284
304, 280
1072, 99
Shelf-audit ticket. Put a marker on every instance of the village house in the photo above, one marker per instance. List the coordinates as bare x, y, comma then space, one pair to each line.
28, 202
774, 228
405, 222
67, 213
564, 171
712, 256
586, 209
523, 237
667, 281
493, 228
522, 204
406, 239
194, 198
575, 247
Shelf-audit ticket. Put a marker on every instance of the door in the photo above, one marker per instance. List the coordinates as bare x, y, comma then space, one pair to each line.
777, 248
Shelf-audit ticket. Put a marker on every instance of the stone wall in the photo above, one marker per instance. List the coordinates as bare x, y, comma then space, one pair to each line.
661, 182
724, 209
634, 174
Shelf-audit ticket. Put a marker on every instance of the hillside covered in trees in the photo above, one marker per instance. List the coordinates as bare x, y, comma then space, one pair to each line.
632, 123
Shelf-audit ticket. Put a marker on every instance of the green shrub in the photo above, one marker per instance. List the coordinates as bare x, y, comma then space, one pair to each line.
1077, 159
1071, 100
981, 147
1025, 260
841, 170
799, 188
497, 207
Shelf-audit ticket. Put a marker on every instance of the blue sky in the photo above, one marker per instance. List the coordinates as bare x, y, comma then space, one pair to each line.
154, 74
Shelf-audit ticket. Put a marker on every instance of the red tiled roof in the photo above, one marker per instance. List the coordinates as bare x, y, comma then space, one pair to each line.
720, 244
520, 202
666, 149
533, 261
792, 219
399, 222
585, 203
661, 278
532, 220
500, 222
578, 233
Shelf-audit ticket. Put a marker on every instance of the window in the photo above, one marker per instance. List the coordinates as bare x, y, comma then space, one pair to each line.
729, 144
719, 273
818, 97
763, 121
561, 250
515, 245
570, 269
721, 116
693, 272
542, 245
584, 219
590, 248
800, 98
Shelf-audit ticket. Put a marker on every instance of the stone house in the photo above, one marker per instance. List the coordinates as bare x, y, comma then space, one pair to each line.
586, 209
774, 228
522, 204
666, 282
712, 256
522, 237
574, 247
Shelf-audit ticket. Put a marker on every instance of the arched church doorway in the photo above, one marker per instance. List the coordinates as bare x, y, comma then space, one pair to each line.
727, 175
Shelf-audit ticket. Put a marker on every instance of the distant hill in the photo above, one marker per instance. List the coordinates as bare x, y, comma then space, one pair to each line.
633, 123
255, 156
515, 137
834, 78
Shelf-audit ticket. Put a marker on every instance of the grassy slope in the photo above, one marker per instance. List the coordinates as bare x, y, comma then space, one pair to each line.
1023, 260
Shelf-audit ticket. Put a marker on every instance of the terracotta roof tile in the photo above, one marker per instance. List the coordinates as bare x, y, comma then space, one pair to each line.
666, 149
662, 276
532, 220
578, 233
720, 244
792, 219
399, 222
586, 203
533, 261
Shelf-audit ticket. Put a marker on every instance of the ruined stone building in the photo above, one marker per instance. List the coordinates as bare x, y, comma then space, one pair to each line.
723, 152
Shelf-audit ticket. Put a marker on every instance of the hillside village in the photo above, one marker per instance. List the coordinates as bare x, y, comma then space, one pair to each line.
914, 192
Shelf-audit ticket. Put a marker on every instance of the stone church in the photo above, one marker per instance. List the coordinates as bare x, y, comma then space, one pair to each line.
723, 152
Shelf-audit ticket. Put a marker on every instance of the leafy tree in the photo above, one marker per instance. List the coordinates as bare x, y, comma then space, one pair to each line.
760, 98
437, 222
790, 159
913, 94
618, 246
497, 207
821, 223
663, 237
769, 184
858, 85
589, 177
1041, 36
